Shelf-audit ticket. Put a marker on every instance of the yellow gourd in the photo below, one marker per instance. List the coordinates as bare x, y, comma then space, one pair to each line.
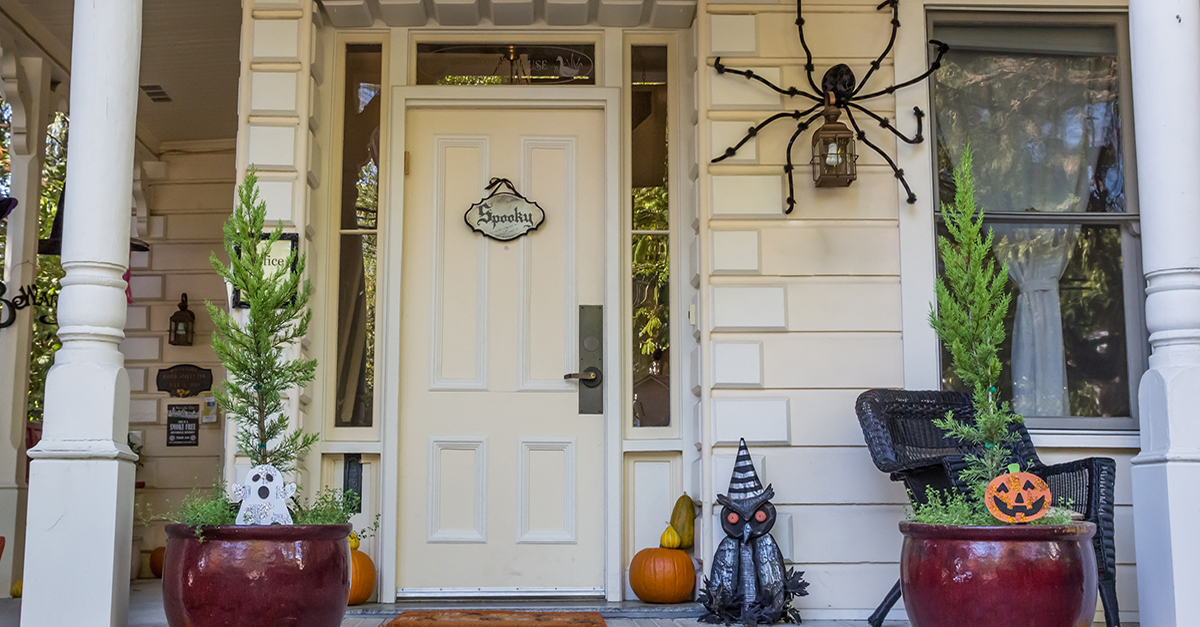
683, 520
669, 539
15, 591
354, 541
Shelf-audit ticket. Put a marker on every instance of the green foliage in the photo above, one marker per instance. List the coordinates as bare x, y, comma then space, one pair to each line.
253, 353
49, 269
951, 508
969, 319
329, 507
203, 508
651, 274
956, 509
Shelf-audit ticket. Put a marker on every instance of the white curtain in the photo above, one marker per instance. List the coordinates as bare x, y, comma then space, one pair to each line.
1032, 121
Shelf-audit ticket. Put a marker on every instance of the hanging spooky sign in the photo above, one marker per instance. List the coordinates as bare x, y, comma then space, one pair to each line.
1017, 497
502, 215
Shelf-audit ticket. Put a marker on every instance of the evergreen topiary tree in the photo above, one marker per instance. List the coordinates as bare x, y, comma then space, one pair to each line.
253, 353
969, 319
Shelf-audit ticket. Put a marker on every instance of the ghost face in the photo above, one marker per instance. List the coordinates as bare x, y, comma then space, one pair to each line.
750, 518
264, 481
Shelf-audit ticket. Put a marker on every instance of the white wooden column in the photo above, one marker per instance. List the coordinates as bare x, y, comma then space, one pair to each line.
27, 90
1165, 47
81, 486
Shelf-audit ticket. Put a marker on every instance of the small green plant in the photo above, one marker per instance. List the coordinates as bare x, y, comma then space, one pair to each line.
209, 507
328, 507
252, 353
969, 319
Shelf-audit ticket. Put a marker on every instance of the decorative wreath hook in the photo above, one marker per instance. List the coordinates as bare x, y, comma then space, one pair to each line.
839, 88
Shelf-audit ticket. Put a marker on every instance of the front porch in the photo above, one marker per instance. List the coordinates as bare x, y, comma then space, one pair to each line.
766, 350
145, 610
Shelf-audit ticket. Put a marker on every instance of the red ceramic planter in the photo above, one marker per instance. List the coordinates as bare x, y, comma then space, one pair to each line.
250, 576
1028, 575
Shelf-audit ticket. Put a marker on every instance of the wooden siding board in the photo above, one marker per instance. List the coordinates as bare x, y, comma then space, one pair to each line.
831, 249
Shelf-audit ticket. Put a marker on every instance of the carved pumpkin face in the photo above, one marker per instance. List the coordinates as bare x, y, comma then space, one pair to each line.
1018, 497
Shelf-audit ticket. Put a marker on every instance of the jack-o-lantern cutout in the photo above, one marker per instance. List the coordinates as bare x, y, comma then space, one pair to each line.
1018, 497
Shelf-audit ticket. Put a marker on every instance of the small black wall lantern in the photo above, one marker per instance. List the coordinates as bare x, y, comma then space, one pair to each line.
183, 325
834, 156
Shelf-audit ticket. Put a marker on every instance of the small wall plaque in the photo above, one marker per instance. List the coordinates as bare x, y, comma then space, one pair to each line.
183, 425
277, 257
184, 380
504, 216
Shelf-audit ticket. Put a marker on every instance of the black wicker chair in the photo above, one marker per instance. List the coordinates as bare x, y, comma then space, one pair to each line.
898, 426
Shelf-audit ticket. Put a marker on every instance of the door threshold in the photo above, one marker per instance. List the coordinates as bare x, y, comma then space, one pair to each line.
618, 609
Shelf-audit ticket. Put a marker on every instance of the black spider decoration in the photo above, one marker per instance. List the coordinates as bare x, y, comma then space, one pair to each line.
838, 88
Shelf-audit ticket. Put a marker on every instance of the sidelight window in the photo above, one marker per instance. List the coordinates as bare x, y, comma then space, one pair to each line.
651, 257
357, 274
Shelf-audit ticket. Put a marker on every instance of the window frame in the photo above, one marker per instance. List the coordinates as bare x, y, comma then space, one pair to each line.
1137, 337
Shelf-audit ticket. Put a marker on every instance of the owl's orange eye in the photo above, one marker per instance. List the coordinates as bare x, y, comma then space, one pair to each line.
760, 516
732, 518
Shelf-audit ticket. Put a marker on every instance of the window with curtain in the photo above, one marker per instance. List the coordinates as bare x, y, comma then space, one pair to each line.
1045, 111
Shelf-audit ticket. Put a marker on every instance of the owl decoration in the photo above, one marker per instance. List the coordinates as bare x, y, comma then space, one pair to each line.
748, 583
264, 497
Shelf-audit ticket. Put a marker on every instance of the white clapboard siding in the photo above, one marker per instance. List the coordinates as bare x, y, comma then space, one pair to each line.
844, 304
188, 197
828, 360
187, 209
836, 258
845, 36
805, 249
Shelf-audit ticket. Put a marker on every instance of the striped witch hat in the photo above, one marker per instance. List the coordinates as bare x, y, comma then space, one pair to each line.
744, 483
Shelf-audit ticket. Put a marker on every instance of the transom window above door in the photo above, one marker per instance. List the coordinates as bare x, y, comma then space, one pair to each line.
1044, 106
505, 64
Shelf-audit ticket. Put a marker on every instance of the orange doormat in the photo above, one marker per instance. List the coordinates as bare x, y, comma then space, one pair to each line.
462, 618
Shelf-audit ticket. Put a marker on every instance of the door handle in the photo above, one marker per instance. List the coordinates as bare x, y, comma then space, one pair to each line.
591, 376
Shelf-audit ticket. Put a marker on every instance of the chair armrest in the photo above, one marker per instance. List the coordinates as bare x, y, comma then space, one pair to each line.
1093, 479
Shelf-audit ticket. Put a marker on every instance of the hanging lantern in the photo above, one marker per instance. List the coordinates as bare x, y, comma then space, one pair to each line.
833, 151
183, 325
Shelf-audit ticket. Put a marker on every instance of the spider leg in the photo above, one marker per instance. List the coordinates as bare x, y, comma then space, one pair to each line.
915, 139
729, 152
790, 92
808, 63
800, 128
933, 67
891, 42
862, 137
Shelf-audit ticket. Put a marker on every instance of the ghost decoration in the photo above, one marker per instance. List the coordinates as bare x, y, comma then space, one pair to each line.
748, 583
264, 497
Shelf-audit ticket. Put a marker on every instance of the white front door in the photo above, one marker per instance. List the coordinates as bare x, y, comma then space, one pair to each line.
501, 479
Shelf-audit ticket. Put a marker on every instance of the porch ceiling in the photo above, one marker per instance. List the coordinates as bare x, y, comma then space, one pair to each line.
190, 48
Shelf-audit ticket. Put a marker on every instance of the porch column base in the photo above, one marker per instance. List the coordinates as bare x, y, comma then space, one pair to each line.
1165, 505
81, 556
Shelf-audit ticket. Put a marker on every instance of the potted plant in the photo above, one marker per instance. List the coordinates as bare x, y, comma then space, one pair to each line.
961, 564
264, 569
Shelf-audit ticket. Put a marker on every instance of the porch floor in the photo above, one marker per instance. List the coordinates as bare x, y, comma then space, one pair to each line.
145, 610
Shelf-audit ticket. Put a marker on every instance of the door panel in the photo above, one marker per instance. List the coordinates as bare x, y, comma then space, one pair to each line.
501, 479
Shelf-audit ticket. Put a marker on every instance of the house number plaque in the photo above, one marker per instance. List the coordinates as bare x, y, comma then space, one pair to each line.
504, 215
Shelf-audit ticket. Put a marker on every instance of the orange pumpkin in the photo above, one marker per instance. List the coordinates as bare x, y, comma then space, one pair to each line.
362, 577
662, 575
156, 561
1018, 497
